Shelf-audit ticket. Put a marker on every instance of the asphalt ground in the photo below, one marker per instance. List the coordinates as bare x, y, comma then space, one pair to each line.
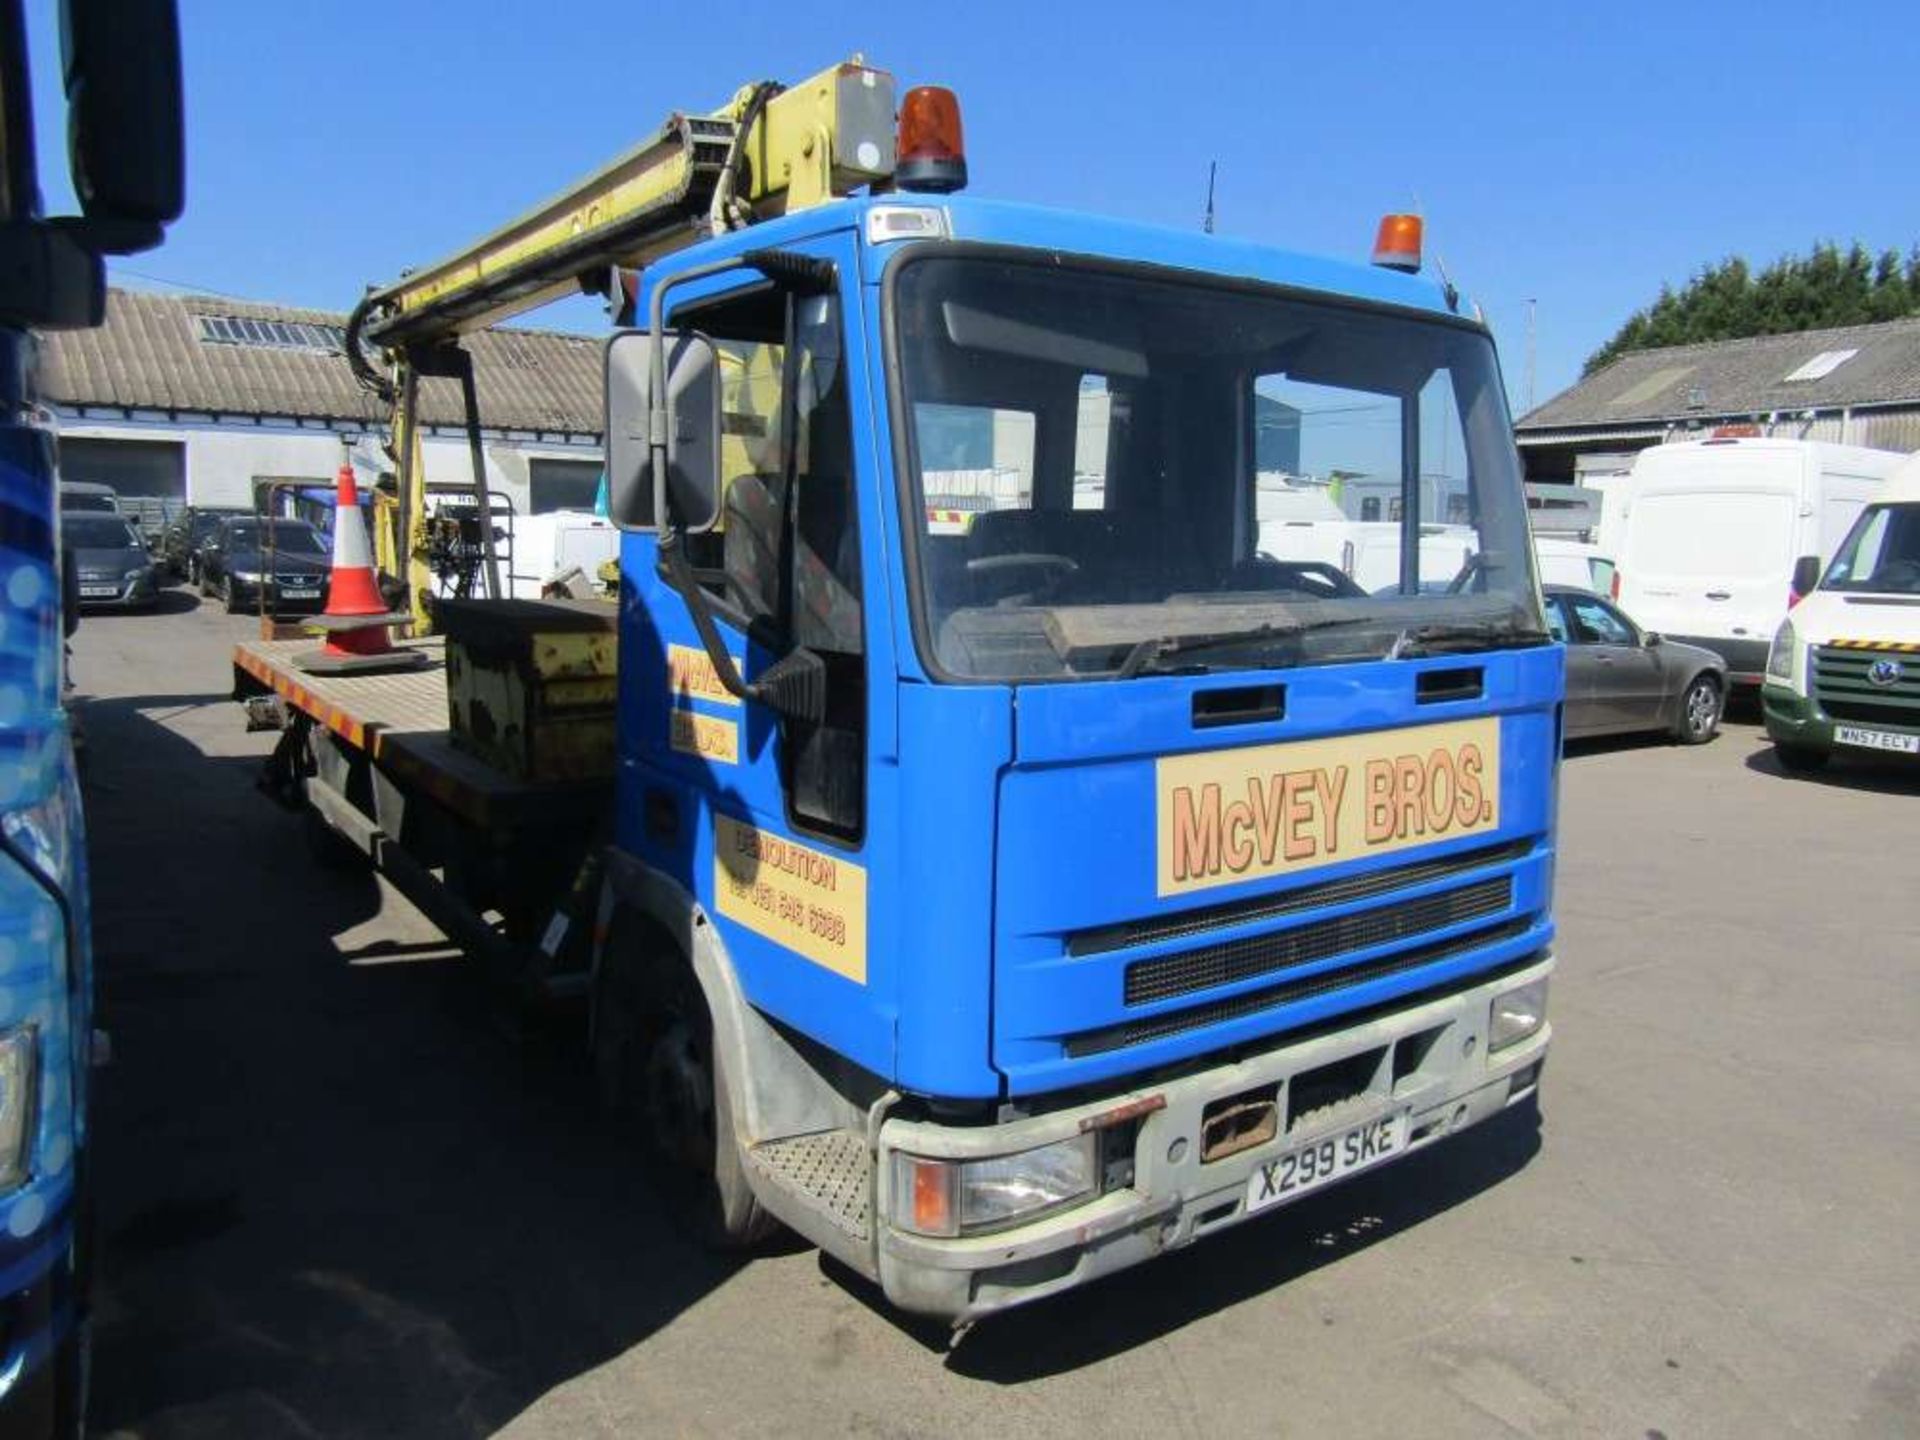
342, 1192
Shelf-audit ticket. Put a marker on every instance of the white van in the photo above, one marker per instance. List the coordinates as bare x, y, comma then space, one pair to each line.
1721, 535
1303, 523
1844, 670
554, 542
1561, 561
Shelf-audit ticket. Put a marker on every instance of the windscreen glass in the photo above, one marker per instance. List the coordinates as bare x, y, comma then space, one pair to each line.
288, 538
1881, 554
98, 532
1115, 474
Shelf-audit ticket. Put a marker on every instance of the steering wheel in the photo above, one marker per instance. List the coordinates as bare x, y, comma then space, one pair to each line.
1314, 578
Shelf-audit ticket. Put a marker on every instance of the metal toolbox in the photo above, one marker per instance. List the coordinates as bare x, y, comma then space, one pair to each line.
531, 683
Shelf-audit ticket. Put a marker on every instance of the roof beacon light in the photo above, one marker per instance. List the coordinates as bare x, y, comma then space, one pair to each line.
1397, 246
931, 154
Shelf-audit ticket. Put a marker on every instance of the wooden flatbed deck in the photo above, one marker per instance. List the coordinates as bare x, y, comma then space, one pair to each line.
400, 722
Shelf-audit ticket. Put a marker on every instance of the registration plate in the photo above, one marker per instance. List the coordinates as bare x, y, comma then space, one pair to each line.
1318, 1162
99, 592
291, 594
1877, 739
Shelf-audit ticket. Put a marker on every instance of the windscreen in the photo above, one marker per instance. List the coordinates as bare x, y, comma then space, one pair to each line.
97, 532
1881, 554
289, 537
1115, 473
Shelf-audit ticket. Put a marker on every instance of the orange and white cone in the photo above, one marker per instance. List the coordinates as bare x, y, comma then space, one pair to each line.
356, 618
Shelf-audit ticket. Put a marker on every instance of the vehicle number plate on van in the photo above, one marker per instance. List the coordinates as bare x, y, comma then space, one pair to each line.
1327, 1159
99, 592
1877, 739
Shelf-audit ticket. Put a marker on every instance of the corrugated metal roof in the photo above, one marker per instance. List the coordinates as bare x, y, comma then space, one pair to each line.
150, 355
1743, 377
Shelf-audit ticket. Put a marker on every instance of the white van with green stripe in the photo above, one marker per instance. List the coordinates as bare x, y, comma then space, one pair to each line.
1844, 670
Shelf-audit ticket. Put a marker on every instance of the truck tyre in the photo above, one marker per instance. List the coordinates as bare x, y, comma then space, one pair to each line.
657, 1065
1698, 714
1799, 759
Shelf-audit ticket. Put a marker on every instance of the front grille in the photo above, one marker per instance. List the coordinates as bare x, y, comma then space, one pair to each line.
1232, 960
1291, 902
1843, 691
1139, 1032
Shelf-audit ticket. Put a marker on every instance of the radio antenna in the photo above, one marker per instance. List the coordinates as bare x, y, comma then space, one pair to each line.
1206, 223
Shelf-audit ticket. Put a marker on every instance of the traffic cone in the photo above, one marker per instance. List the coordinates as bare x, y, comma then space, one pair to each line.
356, 618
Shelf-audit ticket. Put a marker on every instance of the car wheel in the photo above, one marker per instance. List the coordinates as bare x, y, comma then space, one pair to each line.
1800, 759
1699, 713
230, 595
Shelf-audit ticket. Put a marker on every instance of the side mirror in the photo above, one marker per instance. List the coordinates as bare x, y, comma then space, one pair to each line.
1806, 575
693, 430
1651, 639
125, 136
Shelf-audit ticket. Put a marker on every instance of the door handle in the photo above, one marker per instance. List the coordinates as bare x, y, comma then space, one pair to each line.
1719, 594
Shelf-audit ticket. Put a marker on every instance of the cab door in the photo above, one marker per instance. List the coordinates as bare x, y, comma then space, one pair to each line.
769, 831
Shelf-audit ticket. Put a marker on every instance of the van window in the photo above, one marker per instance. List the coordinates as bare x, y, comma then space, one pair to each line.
1743, 534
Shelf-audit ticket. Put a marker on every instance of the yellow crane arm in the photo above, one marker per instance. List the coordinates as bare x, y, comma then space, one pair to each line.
802, 146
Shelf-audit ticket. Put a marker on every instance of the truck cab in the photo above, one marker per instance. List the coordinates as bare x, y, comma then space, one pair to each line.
1085, 876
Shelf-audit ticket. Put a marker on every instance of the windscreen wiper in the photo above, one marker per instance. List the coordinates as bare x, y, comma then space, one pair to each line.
1442, 638
1159, 651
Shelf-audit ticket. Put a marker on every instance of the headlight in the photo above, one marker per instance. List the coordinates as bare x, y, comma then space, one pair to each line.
957, 1197
1517, 1014
18, 1049
247, 577
1780, 657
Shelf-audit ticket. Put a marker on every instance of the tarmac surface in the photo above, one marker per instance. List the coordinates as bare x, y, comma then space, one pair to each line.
343, 1193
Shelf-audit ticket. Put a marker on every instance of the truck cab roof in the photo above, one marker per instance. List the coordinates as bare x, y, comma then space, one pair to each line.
967, 219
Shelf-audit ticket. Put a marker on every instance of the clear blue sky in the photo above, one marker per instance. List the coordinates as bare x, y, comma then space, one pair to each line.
1578, 155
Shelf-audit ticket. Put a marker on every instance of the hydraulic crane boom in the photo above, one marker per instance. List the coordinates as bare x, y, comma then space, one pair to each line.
768, 151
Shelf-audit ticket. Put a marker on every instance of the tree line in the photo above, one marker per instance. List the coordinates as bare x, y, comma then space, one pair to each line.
1825, 288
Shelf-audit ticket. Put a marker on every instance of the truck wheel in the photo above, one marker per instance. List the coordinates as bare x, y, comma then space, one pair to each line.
656, 1061
1699, 713
1800, 759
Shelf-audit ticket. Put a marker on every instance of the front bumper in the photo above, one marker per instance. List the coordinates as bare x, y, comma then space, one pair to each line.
126, 594
1795, 719
247, 594
1174, 1198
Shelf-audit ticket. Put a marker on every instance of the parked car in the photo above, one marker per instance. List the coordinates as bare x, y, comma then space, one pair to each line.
192, 528
109, 560
85, 495
1621, 678
248, 552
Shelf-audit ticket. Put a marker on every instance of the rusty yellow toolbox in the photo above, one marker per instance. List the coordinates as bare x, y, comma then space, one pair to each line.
530, 684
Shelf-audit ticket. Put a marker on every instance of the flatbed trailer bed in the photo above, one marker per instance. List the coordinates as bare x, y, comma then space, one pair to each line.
485, 855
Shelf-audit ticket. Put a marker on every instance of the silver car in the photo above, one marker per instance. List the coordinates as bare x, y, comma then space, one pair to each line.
1621, 678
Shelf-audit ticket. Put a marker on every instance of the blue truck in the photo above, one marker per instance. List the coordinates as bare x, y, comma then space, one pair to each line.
121, 70
1001, 872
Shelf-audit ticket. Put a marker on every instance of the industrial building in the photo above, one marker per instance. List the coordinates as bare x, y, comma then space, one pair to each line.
1859, 385
206, 401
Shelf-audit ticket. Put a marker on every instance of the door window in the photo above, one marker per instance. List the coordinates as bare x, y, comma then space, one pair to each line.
1597, 623
789, 533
